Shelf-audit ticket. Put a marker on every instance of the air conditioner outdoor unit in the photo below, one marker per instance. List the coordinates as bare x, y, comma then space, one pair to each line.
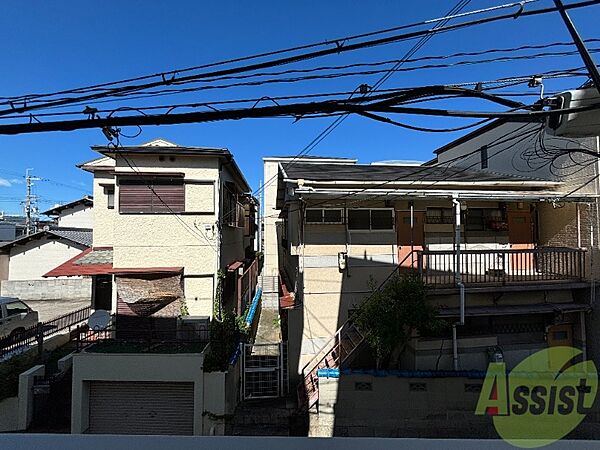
577, 124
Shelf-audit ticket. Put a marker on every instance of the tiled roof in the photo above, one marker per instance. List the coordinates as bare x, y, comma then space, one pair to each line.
97, 256
88, 200
81, 236
71, 267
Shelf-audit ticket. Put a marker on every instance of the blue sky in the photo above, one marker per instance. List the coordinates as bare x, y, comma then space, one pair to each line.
47, 46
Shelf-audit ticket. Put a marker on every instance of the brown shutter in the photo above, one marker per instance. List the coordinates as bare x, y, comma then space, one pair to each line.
152, 196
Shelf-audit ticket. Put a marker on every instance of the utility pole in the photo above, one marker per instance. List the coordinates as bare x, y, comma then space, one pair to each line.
583, 51
30, 203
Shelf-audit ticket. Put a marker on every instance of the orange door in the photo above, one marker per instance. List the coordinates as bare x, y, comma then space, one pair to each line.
520, 237
410, 237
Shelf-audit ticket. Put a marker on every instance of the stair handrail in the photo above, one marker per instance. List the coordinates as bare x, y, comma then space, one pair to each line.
333, 338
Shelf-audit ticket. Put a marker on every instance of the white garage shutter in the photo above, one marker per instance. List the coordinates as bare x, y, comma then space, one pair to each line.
141, 408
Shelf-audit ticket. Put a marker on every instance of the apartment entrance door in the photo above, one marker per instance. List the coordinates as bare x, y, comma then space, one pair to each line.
520, 238
411, 236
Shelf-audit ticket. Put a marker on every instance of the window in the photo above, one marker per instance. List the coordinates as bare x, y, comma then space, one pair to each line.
370, 219
109, 191
440, 215
484, 157
318, 215
151, 195
233, 210
16, 308
485, 219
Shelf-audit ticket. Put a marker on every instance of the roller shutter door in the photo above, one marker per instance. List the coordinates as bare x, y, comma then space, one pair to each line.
141, 408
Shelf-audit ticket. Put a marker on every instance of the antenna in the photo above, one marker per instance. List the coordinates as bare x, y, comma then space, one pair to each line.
99, 320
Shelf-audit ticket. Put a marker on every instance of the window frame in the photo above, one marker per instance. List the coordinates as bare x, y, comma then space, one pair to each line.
7, 305
323, 222
109, 190
370, 229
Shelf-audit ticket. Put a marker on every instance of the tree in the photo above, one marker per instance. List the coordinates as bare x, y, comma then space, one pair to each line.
392, 313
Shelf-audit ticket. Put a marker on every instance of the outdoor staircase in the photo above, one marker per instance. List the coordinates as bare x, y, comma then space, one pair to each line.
339, 350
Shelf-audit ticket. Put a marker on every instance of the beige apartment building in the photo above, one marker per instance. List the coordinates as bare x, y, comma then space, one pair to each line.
506, 254
165, 212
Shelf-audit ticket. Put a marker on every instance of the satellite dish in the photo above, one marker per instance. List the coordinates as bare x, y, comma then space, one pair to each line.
99, 320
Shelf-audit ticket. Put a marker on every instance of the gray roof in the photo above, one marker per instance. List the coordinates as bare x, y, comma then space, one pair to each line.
87, 200
377, 173
79, 236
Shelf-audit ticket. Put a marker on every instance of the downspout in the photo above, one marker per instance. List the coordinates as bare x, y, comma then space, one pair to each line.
458, 280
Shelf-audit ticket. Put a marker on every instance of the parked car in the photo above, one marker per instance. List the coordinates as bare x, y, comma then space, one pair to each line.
15, 318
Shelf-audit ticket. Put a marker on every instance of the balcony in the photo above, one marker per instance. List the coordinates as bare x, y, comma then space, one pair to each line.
546, 265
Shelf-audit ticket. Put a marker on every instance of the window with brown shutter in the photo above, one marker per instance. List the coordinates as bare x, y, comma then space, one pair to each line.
154, 195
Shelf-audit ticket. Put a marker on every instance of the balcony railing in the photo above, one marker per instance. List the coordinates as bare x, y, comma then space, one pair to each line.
502, 267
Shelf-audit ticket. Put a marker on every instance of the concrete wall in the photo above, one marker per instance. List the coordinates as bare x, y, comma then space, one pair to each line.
103, 216
88, 367
4, 263
26, 381
8, 414
33, 259
80, 216
388, 407
270, 218
52, 288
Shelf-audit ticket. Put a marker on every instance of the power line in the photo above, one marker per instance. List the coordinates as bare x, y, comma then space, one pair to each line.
339, 120
303, 110
338, 47
301, 57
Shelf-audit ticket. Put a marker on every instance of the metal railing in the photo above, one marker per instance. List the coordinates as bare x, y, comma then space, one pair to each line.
500, 267
246, 287
138, 340
37, 333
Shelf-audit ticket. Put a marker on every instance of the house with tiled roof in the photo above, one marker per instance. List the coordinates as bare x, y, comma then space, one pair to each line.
24, 261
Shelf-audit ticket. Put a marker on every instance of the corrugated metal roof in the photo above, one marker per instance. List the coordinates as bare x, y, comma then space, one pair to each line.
378, 173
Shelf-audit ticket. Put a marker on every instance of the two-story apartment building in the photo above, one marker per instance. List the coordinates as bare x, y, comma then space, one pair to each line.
173, 247
506, 255
165, 212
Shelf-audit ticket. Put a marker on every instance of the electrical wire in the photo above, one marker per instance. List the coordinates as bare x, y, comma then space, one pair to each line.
302, 57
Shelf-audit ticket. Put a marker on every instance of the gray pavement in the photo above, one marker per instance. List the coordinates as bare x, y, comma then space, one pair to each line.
49, 309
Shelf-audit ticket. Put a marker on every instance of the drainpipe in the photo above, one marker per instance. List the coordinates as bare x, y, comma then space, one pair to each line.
458, 279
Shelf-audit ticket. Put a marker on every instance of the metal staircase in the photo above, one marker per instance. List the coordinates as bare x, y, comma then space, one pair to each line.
340, 349
336, 352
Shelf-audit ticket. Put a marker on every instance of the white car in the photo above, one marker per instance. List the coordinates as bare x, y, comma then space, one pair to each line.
15, 317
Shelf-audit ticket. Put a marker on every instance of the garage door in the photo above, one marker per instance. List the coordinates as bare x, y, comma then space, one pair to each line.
141, 408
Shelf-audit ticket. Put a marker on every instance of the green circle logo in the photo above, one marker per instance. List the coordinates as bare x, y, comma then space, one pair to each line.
542, 399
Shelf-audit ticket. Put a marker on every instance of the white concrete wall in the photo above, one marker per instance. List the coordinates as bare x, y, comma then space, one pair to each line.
35, 258
174, 368
80, 216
